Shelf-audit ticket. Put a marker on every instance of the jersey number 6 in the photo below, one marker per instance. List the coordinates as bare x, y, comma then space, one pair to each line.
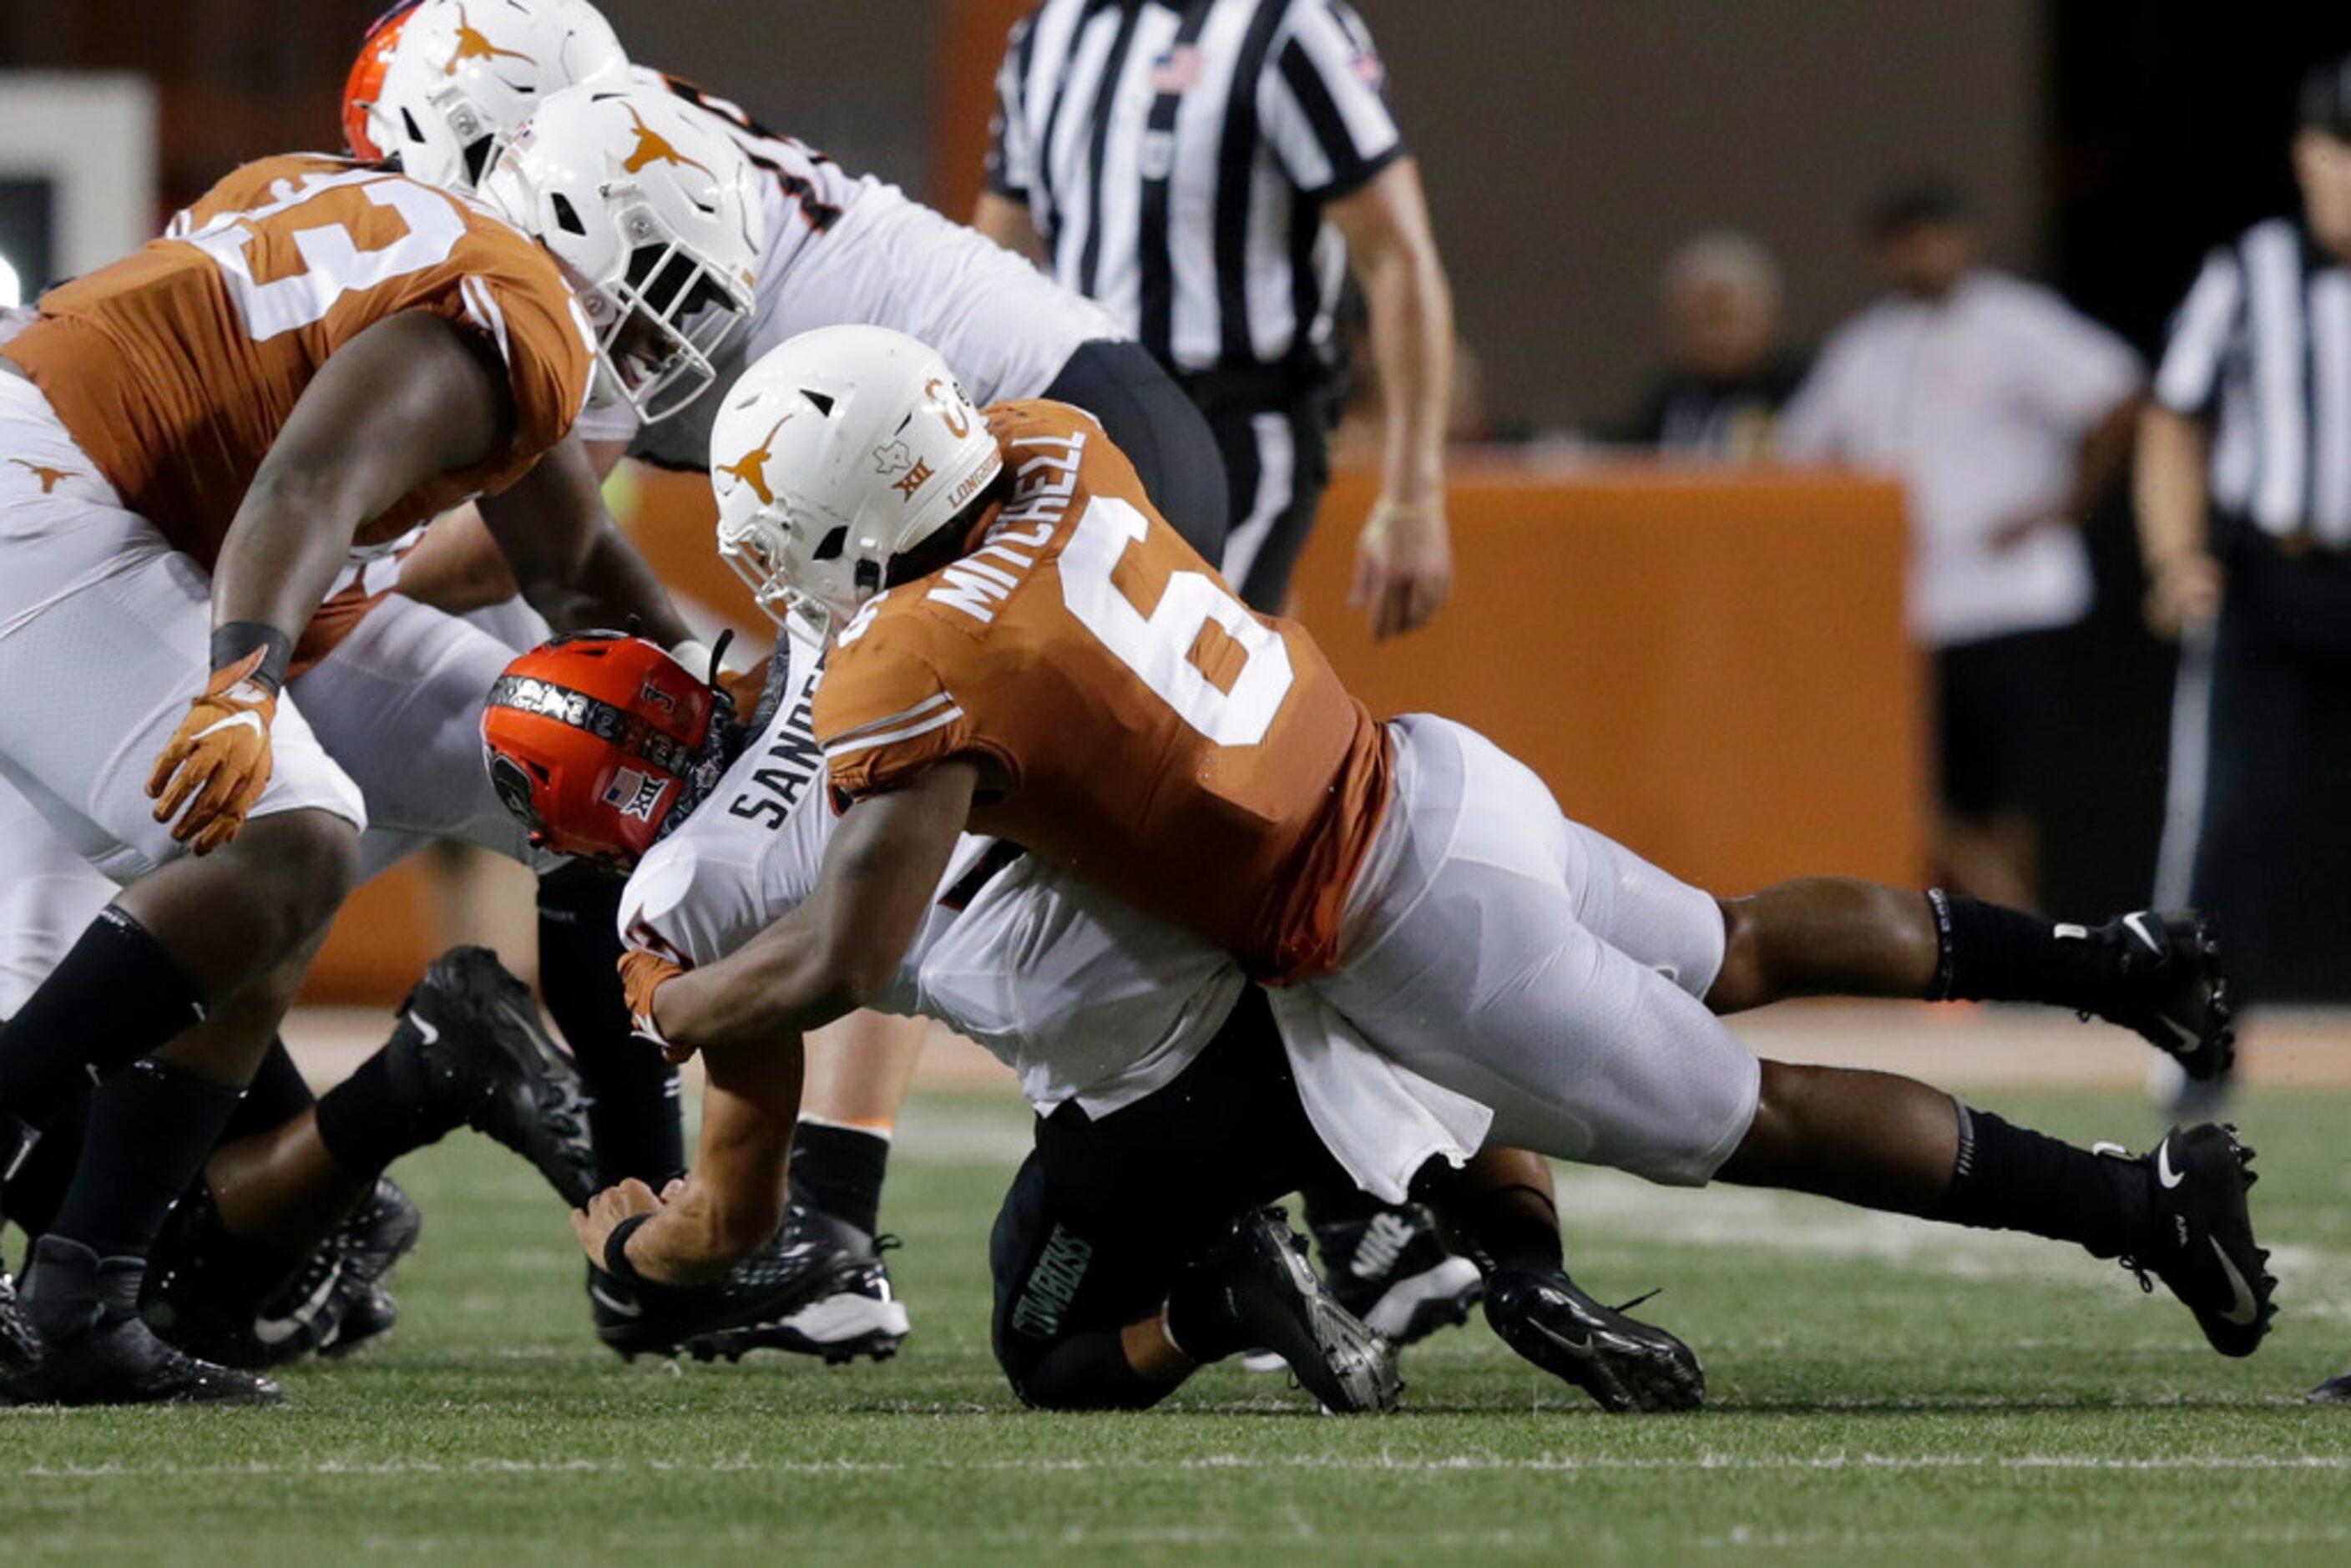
327, 245
1158, 647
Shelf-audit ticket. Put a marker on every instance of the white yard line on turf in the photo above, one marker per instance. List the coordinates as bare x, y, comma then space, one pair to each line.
1537, 1463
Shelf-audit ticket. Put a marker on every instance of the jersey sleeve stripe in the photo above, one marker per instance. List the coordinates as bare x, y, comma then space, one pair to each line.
848, 747
482, 307
903, 715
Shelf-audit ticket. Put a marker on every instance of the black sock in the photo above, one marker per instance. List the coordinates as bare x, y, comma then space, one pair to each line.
1333, 1198
1087, 1372
632, 1113
277, 1094
1990, 953
1202, 1319
840, 1169
2012, 1179
115, 999
150, 1129
382, 1111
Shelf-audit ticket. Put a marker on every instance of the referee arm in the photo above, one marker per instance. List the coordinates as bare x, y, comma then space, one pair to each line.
1404, 558
2184, 579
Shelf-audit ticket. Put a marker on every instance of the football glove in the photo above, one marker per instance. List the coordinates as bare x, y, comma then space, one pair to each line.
218, 762
642, 974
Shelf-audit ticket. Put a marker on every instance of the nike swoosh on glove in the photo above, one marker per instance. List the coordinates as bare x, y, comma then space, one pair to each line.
219, 762
642, 974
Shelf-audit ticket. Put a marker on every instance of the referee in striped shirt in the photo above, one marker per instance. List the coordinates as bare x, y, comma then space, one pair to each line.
2244, 506
1207, 170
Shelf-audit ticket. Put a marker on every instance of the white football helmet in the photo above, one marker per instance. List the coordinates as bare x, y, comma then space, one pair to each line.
838, 451
465, 73
654, 214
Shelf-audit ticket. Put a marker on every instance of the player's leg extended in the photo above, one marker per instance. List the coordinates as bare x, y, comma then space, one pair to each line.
1587, 1053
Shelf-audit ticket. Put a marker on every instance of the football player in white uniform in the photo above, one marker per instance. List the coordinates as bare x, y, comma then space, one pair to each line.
1438, 917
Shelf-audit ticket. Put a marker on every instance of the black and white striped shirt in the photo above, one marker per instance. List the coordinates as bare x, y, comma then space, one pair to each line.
1176, 156
2261, 347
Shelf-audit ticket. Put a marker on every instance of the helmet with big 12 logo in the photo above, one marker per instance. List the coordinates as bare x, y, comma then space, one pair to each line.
840, 450
600, 745
655, 214
451, 79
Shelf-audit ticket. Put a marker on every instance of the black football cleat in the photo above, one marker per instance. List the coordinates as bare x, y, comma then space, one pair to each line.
474, 1037
1623, 1363
2203, 1246
97, 1349
659, 1320
1393, 1273
225, 1300
2336, 1390
851, 1310
1255, 1282
2170, 989
379, 1232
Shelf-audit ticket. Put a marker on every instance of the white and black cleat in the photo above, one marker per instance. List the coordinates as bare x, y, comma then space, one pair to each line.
2203, 1246
852, 1311
1623, 1363
2171, 989
1392, 1272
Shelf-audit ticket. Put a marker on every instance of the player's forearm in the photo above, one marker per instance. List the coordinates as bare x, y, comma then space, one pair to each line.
1411, 344
733, 1201
291, 537
610, 586
781, 983
2170, 486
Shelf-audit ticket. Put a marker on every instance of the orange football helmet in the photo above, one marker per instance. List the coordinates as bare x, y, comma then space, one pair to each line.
362, 86
599, 743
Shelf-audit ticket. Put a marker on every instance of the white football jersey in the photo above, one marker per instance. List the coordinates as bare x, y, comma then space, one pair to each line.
1081, 997
846, 250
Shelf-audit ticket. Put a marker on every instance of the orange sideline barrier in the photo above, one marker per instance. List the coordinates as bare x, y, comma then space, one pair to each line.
1710, 666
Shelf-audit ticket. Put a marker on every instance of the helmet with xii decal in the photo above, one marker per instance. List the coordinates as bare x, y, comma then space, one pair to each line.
602, 744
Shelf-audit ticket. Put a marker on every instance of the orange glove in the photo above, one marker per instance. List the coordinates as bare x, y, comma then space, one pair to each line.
218, 763
642, 974
746, 687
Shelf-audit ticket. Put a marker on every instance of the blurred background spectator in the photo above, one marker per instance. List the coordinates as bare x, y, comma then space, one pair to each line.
2006, 413
1727, 376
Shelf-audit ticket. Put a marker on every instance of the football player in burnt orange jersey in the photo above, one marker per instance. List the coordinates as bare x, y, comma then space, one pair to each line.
321, 355
1024, 650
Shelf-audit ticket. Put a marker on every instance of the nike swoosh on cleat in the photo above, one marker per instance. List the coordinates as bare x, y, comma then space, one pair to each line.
2186, 1037
2164, 1174
424, 1026
278, 1330
612, 1303
2139, 928
2246, 1311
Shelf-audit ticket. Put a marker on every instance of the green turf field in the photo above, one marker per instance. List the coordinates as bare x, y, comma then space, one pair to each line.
1882, 1391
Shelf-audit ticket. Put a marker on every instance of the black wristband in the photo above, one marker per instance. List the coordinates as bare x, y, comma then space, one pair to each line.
236, 642
616, 1250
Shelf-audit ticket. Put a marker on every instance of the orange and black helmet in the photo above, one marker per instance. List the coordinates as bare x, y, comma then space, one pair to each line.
601, 744
366, 80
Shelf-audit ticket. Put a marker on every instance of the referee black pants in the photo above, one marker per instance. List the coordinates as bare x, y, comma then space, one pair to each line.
1147, 416
1278, 465
2250, 760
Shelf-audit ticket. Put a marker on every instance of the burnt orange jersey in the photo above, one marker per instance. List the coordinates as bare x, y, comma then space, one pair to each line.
1154, 736
176, 367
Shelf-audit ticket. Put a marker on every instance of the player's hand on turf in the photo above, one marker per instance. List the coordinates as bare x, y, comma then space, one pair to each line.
594, 1225
211, 772
1404, 566
2182, 593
